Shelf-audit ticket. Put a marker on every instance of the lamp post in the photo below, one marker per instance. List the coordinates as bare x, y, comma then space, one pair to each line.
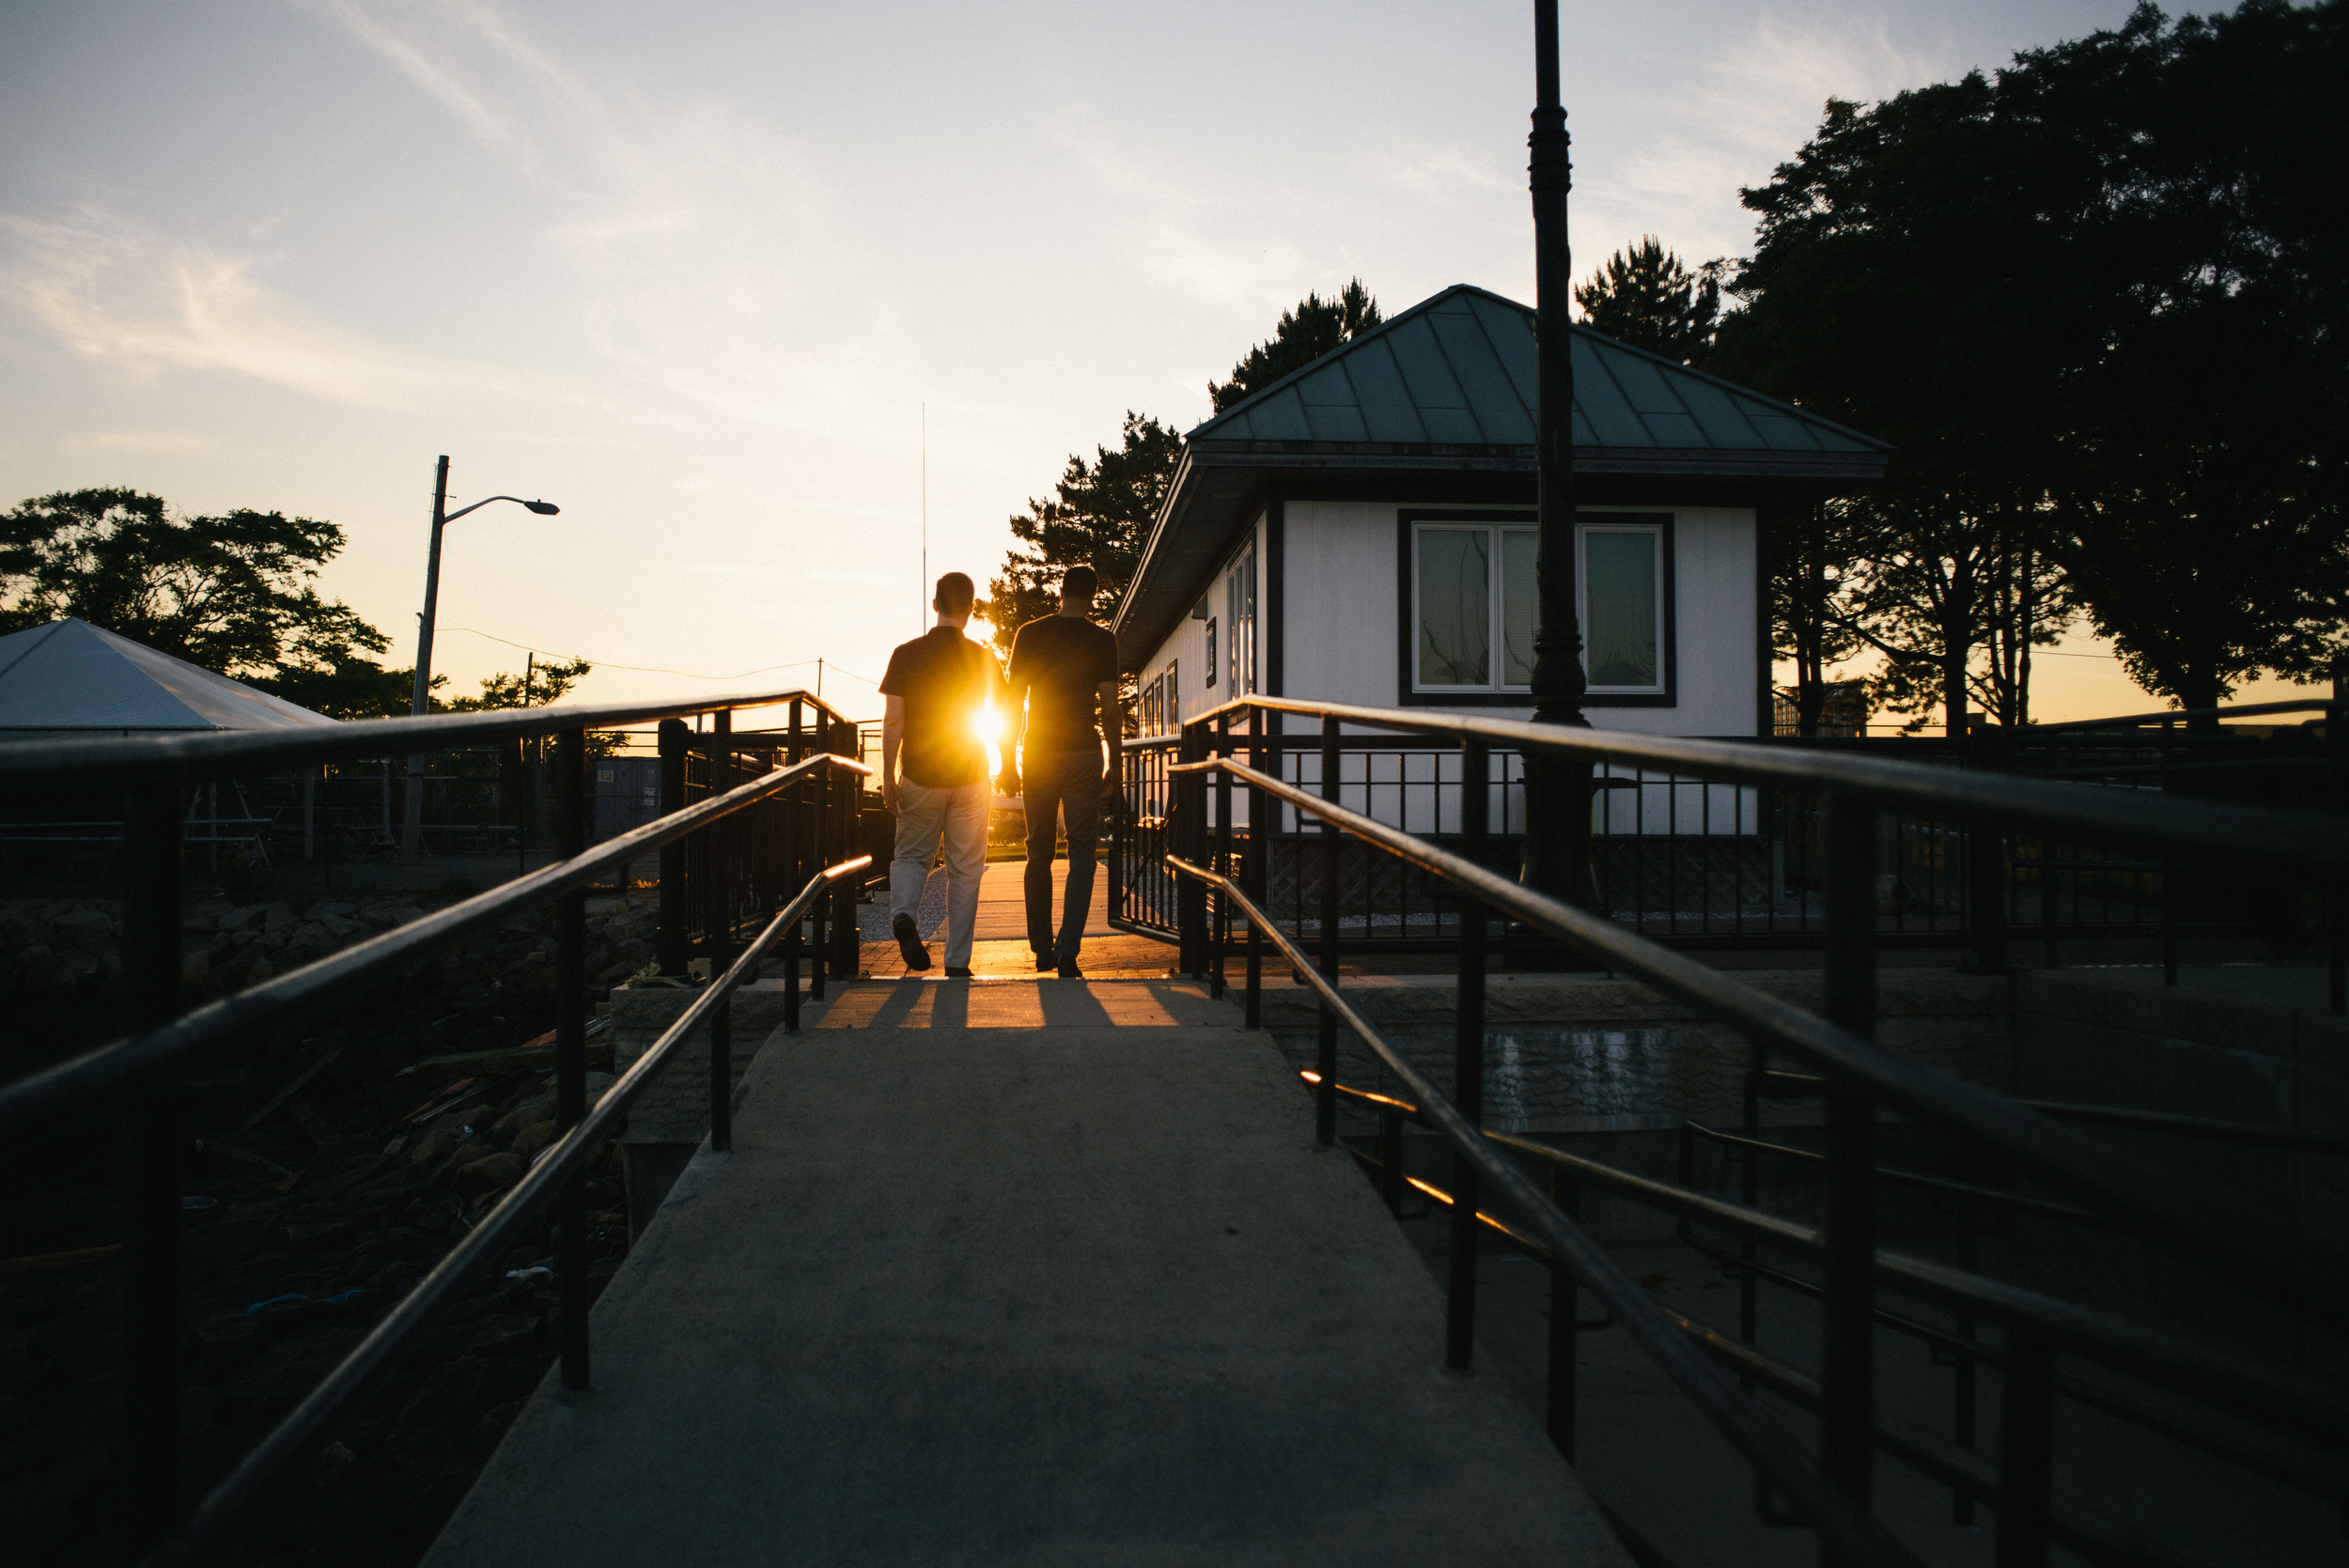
413, 846
1557, 789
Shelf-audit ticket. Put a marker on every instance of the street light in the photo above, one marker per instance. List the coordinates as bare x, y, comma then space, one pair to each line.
1557, 788
412, 847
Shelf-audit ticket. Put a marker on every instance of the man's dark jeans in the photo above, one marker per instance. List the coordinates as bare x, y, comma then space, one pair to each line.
1065, 786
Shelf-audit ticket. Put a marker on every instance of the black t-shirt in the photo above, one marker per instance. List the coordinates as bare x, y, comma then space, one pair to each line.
945, 678
1057, 662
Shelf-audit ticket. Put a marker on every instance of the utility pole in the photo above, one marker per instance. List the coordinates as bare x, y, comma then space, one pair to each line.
1557, 788
412, 848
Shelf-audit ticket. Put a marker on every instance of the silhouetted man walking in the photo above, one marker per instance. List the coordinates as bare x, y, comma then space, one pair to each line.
1064, 668
937, 685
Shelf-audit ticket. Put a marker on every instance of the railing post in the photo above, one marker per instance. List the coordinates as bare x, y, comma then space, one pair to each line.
824, 814
571, 1054
1750, 1194
725, 871
1468, 1071
1985, 868
2026, 1447
1390, 1159
1565, 1190
796, 874
1326, 1024
154, 825
1219, 928
1847, 1306
1259, 849
675, 738
1191, 895
1962, 1408
845, 951
2336, 926
1122, 837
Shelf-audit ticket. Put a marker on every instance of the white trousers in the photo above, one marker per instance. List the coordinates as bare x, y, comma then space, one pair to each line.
925, 816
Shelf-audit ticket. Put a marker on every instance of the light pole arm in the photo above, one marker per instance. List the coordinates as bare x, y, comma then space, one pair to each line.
543, 506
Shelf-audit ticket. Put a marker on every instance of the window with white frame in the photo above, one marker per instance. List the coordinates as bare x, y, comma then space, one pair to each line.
1240, 623
1476, 605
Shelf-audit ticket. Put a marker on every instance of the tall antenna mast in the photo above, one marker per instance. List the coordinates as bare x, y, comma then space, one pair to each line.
923, 588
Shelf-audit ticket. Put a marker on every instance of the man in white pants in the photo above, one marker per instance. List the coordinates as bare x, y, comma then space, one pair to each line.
937, 687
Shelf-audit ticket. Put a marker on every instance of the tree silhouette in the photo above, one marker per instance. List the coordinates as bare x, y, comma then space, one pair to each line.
1301, 336
233, 593
1644, 296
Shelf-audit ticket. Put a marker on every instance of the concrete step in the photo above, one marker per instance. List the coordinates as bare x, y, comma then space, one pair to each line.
1077, 1292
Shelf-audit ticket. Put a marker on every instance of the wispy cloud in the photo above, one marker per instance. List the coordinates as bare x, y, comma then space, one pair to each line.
1442, 172
112, 288
1752, 103
707, 261
173, 442
410, 60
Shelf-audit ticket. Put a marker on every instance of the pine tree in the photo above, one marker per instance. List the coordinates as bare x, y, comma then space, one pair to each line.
1099, 517
1644, 296
1303, 336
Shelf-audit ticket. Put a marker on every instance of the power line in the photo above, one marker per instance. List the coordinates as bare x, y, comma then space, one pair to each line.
651, 670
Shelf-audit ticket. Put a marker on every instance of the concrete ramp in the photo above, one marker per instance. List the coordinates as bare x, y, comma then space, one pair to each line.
1071, 1289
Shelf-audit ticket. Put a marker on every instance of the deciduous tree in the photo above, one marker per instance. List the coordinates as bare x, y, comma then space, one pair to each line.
233, 593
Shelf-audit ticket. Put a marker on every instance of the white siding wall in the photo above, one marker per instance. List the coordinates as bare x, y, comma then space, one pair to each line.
1342, 622
1187, 645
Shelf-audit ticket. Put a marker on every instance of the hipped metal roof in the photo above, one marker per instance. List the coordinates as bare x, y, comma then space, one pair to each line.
72, 675
1459, 371
1451, 384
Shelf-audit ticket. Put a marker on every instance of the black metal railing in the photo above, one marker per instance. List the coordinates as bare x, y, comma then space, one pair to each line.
1856, 1080
766, 825
1699, 862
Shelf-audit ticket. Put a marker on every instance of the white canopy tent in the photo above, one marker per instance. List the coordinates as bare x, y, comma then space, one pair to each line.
70, 679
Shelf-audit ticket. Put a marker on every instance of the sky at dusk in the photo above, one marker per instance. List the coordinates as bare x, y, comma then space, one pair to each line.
694, 271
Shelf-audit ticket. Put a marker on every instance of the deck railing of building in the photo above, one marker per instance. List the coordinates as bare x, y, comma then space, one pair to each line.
1220, 912
766, 819
1703, 864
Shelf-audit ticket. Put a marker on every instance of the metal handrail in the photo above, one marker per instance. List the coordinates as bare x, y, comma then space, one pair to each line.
223, 751
2181, 715
243, 1487
2097, 1539
1848, 1527
113, 1065
2311, 1410
2245, 1388
2259, 832
2227, 1236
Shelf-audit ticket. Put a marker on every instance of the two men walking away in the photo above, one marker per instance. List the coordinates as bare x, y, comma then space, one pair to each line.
1066, 667
937, 687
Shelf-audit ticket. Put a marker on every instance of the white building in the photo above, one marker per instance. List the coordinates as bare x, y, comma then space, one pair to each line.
1362, 532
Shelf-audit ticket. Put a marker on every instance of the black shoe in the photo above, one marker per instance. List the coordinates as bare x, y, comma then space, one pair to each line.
1070, 971
955, 973
910, 942
1046, 963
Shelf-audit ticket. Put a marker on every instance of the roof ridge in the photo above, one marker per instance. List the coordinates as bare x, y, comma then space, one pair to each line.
33, 644
1664, 363
1384, 327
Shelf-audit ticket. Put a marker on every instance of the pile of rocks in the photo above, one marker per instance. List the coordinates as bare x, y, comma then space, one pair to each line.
283, 1276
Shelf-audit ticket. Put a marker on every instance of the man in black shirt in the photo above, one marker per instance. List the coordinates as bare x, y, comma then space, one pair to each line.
937, 686
1065, 668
